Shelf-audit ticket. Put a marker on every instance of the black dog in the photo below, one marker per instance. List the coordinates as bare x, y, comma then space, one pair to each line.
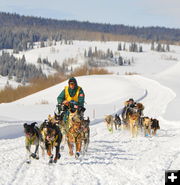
85, 134
32, 137
52, 137
117, 121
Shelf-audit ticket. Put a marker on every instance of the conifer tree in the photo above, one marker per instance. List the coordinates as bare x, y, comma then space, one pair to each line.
119, 47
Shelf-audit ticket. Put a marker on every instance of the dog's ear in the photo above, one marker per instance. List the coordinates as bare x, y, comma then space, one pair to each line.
55, 115
25, 125
33, 124
88, 119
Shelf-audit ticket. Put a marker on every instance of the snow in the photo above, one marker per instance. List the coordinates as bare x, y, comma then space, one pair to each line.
113, 158
4, 82
143, 61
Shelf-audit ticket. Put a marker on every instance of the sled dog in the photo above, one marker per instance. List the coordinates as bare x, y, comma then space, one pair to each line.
147, 126
109, 122
32, 137
52, 137
133, 124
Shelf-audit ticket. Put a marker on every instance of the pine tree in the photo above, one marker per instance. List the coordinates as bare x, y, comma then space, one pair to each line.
158, 48
111, 54
85, 53
124, 47
119, 47
120, 61
42, 45
39, 61
90, 52
95, 52
140, 49
152, 46
167, 47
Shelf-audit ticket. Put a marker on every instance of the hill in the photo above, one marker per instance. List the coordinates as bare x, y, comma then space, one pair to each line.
19, 32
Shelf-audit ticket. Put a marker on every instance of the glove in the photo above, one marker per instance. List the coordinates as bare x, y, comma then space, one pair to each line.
76, 106
65, 102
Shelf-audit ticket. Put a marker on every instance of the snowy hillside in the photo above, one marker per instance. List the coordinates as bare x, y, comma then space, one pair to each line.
142, 61
113, 158
61, 53
4, 82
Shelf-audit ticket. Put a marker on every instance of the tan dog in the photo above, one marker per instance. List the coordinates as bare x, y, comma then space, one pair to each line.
74, 134
147, 126
133, 124
109, 122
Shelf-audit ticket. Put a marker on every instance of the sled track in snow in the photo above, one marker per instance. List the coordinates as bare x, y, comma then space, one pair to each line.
96, 121
21, 169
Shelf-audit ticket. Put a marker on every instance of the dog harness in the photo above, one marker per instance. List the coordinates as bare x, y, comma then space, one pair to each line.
53, 143
43, 134
75, 97
30, 141
75, 134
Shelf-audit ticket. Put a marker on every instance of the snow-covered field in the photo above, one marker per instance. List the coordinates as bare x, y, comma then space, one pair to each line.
61, 52
143, 61
5, 82
113, 158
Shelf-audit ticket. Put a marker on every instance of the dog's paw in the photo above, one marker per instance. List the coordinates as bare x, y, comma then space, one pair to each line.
33, 155
37, 157
77, 155
28, 162
59, 156
55, 160
50, 161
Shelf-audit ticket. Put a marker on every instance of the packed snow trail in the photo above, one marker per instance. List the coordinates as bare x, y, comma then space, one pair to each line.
113, 158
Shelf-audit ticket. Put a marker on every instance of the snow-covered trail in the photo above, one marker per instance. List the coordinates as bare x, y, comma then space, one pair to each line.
113, 158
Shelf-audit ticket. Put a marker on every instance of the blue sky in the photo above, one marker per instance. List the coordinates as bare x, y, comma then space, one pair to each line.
129, 12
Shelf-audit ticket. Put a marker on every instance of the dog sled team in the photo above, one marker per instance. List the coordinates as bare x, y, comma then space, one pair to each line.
67, 125
132, 119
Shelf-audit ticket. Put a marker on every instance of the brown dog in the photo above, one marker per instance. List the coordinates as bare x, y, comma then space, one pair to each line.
74, 134
109, 122
52, 137
147, 126
133, 124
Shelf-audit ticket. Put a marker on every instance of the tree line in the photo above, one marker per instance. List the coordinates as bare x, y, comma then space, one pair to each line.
18, 68
99, 58
19, 32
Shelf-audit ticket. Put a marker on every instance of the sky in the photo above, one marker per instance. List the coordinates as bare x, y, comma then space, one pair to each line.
129, 12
